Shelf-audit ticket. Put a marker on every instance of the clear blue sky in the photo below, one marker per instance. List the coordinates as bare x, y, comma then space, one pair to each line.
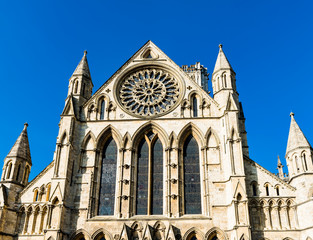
268, 43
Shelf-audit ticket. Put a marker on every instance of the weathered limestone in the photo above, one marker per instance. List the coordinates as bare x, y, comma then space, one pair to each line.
107, 152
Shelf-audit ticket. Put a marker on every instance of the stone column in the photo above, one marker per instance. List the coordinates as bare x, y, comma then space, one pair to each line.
275, 218
168, 211
48, 225
174, 196
205, 179
296, 223
267, 217
284, 218
57, 160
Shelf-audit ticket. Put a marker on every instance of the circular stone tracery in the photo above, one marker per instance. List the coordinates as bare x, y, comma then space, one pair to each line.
148, 92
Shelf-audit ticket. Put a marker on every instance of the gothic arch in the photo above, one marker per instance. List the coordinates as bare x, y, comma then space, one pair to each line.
193, 232
173, 141
194, 93
87, 138
79, 234
64, 138
100, 97
159, 226
243, 237
213, 133
101, 232
105, 134
190, 128
215, 231
145, 128
127, 142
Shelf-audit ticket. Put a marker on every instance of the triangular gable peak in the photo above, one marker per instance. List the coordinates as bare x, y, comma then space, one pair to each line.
125, 234
147, 66
148, 233
69, 107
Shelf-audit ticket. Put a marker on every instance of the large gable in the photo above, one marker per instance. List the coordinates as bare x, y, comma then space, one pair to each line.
147, 86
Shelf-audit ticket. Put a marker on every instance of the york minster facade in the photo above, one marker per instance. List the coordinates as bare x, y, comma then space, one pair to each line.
153, 155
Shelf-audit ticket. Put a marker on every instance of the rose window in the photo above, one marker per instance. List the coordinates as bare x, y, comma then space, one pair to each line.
149, 92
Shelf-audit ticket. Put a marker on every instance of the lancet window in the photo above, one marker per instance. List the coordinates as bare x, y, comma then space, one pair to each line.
102, 107
108, 178
195, 106
149, 189
191, 174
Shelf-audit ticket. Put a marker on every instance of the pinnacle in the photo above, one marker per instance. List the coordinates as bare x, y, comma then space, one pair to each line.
83, 68
296, 138
221, 61
21, 146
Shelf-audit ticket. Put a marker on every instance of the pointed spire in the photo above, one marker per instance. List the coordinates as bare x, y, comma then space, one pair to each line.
280, 168
296, 137
221, 61
83, 68
21, 146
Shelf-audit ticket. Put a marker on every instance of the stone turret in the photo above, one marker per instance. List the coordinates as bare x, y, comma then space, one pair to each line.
80, 85
17, 163
299, 151
223, 79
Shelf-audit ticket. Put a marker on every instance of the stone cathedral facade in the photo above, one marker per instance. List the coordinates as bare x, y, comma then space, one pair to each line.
151, 155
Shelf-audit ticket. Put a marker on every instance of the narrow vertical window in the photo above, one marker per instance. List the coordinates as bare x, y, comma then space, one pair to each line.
157, 178
277, 191
192, 191
142, 178
108, 178
254, 189
75, 86
305, 163
149, 191
18, 172
9, 170
195, 107
102, 106
225, 82
267, 190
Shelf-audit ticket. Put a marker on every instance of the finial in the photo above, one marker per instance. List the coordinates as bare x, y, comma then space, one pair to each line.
25, 125
292, 114
220, 46
85, 52
278, 162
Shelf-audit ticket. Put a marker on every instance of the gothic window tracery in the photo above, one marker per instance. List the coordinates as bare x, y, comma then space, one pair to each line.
148, 92
149, 189
108, 178
191, 174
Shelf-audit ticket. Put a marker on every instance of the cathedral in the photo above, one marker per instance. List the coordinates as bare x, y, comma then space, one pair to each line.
153, 155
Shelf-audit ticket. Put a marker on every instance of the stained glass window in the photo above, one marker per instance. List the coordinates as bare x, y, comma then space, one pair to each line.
157, 178
142, 178
192, 193
108, 178
149, 197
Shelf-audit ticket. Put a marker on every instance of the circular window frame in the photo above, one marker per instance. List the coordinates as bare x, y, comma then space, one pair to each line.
138, 68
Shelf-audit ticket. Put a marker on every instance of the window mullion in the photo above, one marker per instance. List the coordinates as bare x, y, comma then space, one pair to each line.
149, 179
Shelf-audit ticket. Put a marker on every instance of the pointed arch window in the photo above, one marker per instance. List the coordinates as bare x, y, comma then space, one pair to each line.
75, 86
102, 107
224, 80
267, 190
195, 106
191, 173
18, 172
149, 189
108, 178
9, 170
305, 163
